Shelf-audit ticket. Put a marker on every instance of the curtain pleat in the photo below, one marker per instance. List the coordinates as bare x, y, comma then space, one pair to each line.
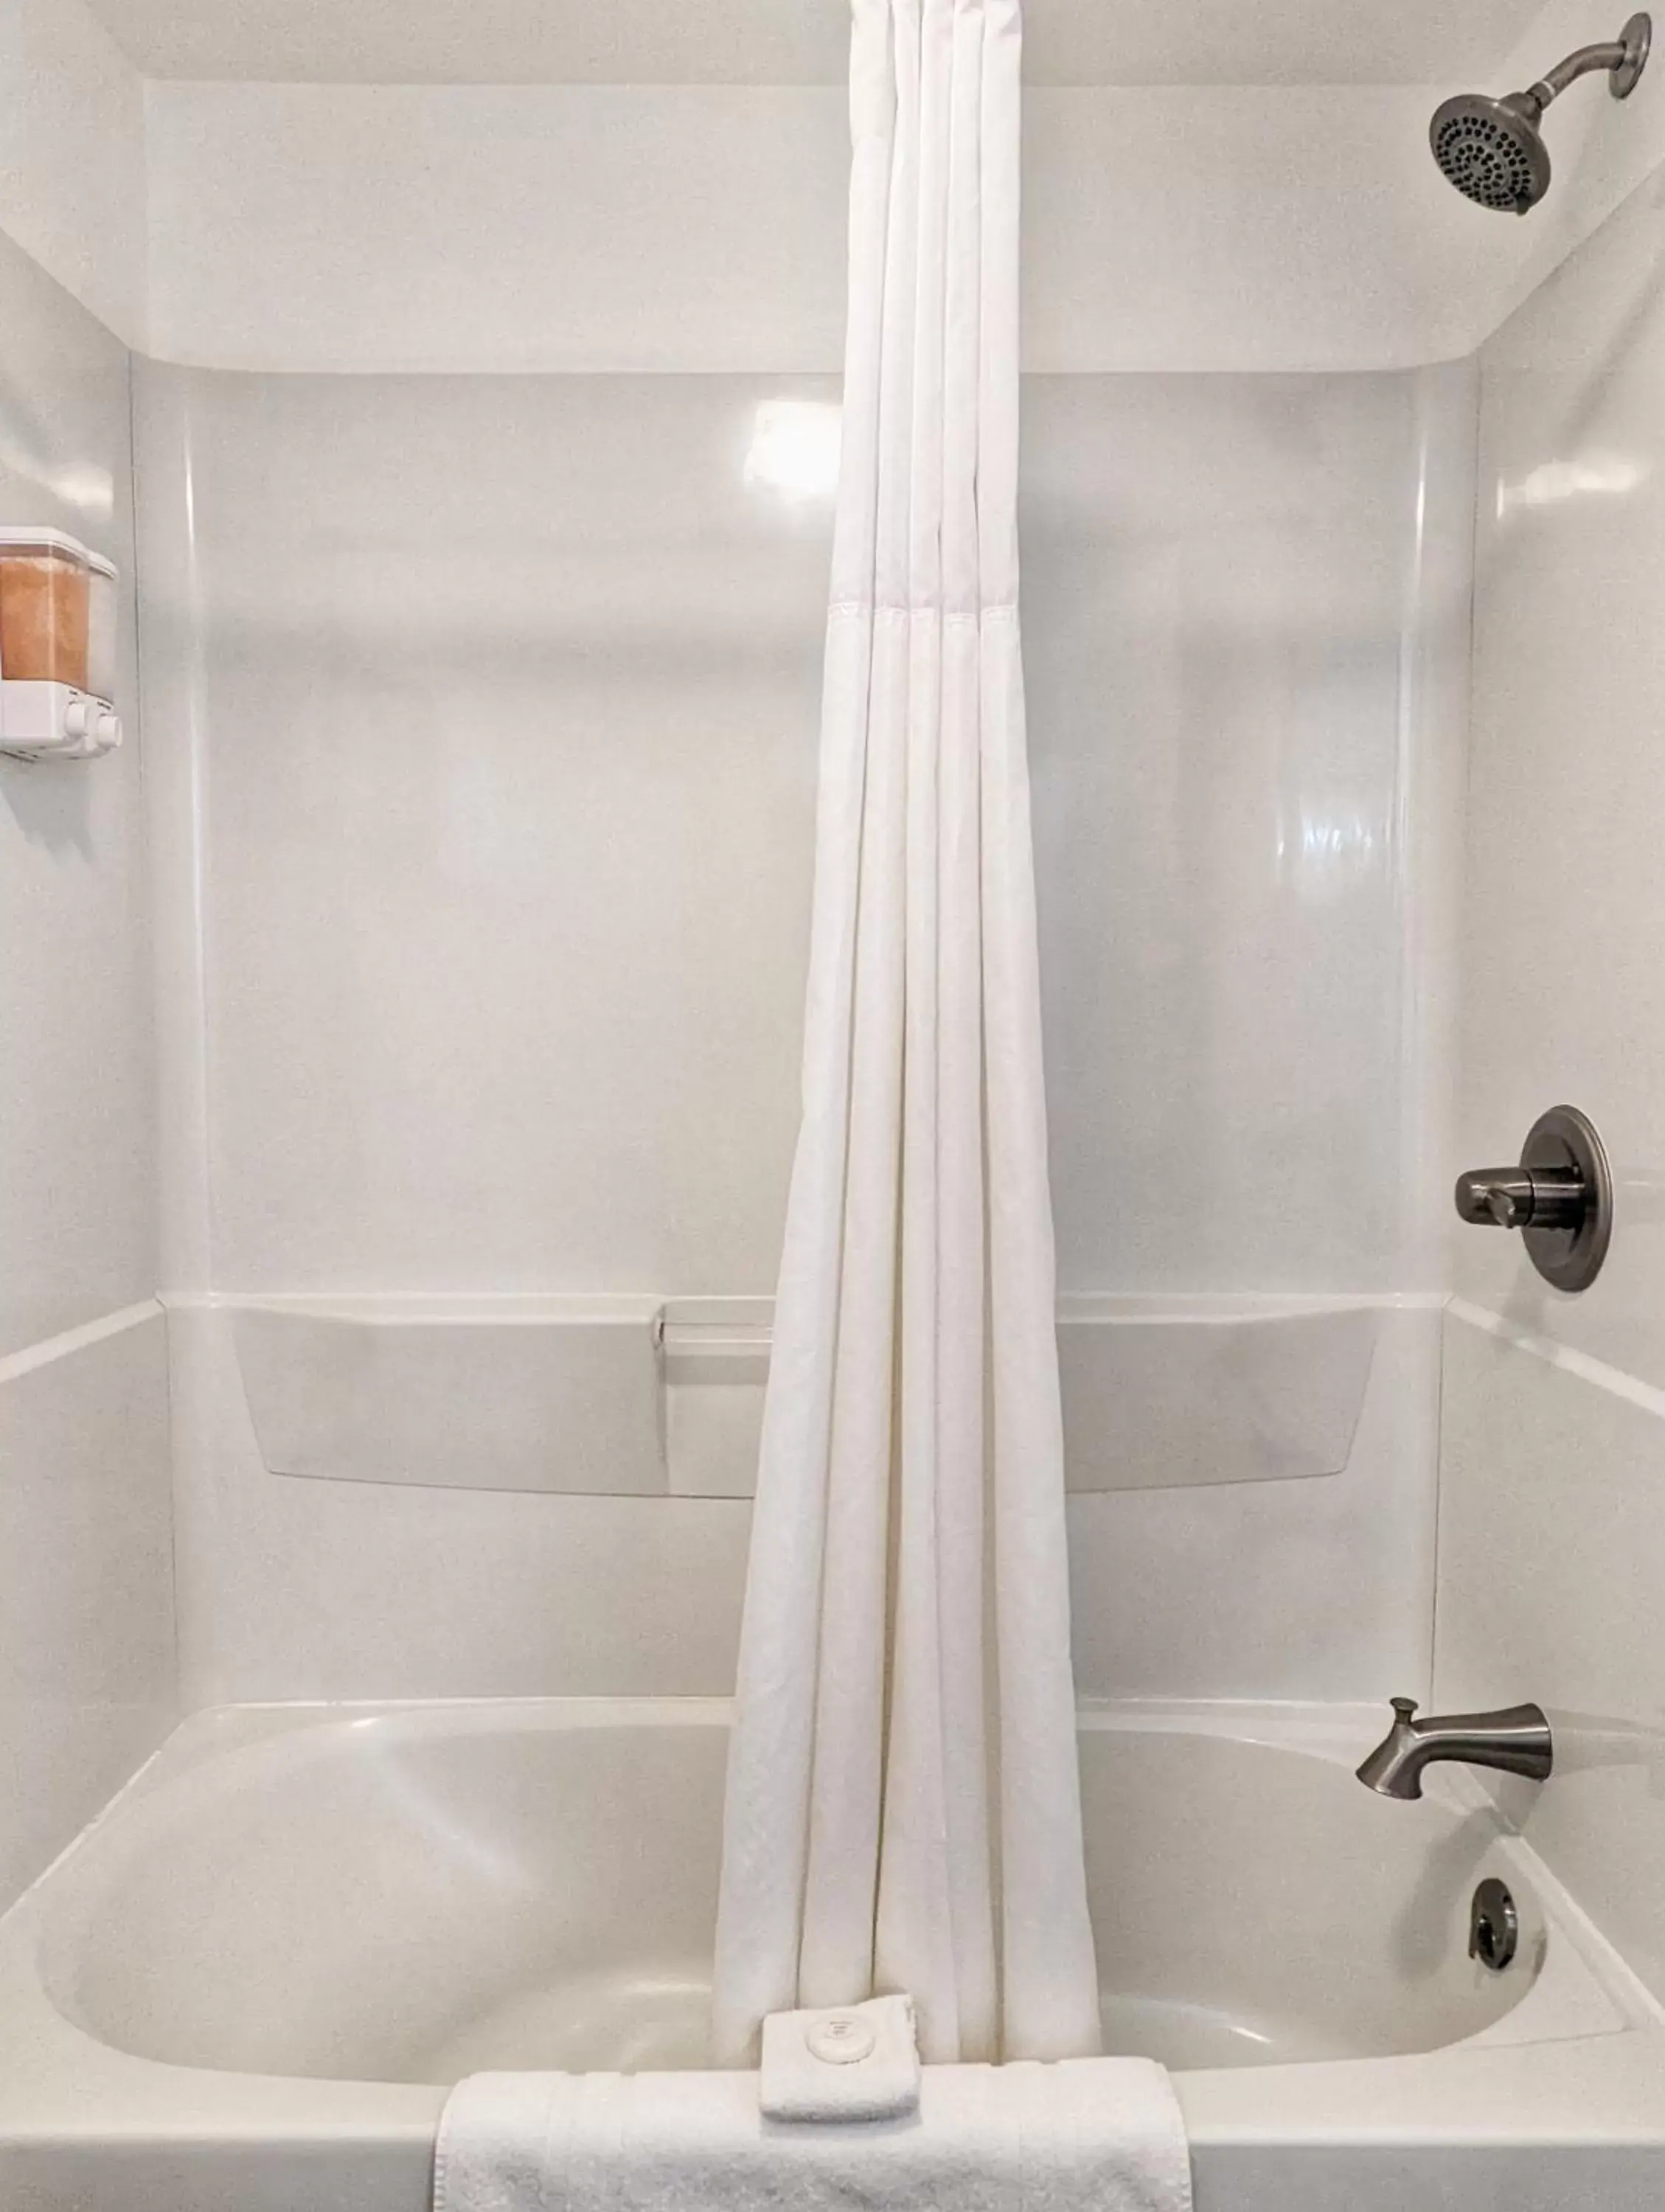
903, 1804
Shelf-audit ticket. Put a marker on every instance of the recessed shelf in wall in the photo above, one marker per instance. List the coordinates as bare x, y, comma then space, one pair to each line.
638, 1396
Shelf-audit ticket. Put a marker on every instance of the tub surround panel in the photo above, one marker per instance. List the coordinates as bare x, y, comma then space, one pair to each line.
176, 713
77, 1206
1210, 227
292, 1589
1552, 1559
795, 41
300, 1588
87, 1661
87, 1672
1565, 930
1245, 630
694, 227
72, 164
504, 771
1302, 1590
1552, 1515
510, 762
644, 1396
1601, 152
1207, 203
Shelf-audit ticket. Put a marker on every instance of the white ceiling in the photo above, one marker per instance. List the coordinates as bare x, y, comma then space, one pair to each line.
1129, 42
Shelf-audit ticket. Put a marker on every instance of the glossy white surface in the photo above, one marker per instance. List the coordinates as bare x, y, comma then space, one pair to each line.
508, 818
356, 228
1551, 1557
72, 170
1553, 1513
1197, 202
1600, 153
346, 1589
1572, 538
700, 228
795, 41
558, 1858
1165, 1393
566, 765
88, 1680
639, 1396
330, 1590
561, 1867
507, 840
78, 1211
87, 1665
566, 1399
175, 716
1245, 618
1298, 1589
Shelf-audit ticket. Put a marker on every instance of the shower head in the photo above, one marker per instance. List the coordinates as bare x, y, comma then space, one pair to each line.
1492, 151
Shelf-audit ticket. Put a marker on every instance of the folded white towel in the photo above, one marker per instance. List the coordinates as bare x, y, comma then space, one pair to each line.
1087, 2135
858, 2063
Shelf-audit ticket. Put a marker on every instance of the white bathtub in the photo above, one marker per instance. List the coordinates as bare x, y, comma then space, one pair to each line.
247, 1986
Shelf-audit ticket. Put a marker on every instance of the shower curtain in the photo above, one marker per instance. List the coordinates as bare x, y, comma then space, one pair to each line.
903, 1801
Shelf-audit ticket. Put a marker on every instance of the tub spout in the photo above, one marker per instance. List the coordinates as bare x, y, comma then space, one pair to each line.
1516, 1741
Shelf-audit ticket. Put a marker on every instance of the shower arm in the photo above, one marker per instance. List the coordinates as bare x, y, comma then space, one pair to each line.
1610, 55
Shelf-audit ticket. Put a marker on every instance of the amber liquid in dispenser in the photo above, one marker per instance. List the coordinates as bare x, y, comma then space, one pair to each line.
44, 601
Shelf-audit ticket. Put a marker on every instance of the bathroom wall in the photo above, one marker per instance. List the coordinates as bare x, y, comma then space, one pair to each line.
699, 227
483, 616
87, 1674
483, 619
791, 42
503, 690
482, 608
665, 187
72, 188
1552, 1515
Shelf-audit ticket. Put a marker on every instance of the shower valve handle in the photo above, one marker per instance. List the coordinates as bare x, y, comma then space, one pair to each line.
1516, 1198
1559, 1197
1508, 1205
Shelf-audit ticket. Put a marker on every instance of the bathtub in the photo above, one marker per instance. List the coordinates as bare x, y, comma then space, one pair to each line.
247, 1986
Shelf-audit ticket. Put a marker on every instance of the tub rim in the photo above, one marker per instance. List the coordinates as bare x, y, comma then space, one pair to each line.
59, 2085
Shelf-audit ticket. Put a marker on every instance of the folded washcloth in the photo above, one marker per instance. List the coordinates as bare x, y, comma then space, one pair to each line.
1086, 2134
858, 2063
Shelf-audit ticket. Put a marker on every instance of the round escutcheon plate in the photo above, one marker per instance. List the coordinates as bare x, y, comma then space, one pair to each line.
1572, 1259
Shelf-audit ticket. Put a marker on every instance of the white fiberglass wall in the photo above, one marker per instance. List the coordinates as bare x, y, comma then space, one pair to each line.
499, 695
483, 526
86, 1663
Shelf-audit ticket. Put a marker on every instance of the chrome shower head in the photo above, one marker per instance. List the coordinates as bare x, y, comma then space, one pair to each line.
1493, 151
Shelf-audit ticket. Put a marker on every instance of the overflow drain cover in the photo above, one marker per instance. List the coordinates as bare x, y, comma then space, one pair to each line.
1494, 1925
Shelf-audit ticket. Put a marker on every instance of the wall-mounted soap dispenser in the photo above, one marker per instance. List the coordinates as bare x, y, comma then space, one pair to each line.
58, 648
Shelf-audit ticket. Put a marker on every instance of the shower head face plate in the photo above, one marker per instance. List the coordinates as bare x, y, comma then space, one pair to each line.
1492, 150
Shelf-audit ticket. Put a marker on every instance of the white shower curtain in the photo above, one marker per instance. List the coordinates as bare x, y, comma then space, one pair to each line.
903, 1806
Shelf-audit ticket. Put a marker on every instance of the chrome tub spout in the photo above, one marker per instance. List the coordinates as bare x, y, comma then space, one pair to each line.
1516, 1741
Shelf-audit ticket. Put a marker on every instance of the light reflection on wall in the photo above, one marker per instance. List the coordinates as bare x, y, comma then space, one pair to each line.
88, 490
1600, 475
795, 448
1325, 849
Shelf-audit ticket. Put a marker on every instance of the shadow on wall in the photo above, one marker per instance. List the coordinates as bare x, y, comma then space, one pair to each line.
641, 1397
50, 802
